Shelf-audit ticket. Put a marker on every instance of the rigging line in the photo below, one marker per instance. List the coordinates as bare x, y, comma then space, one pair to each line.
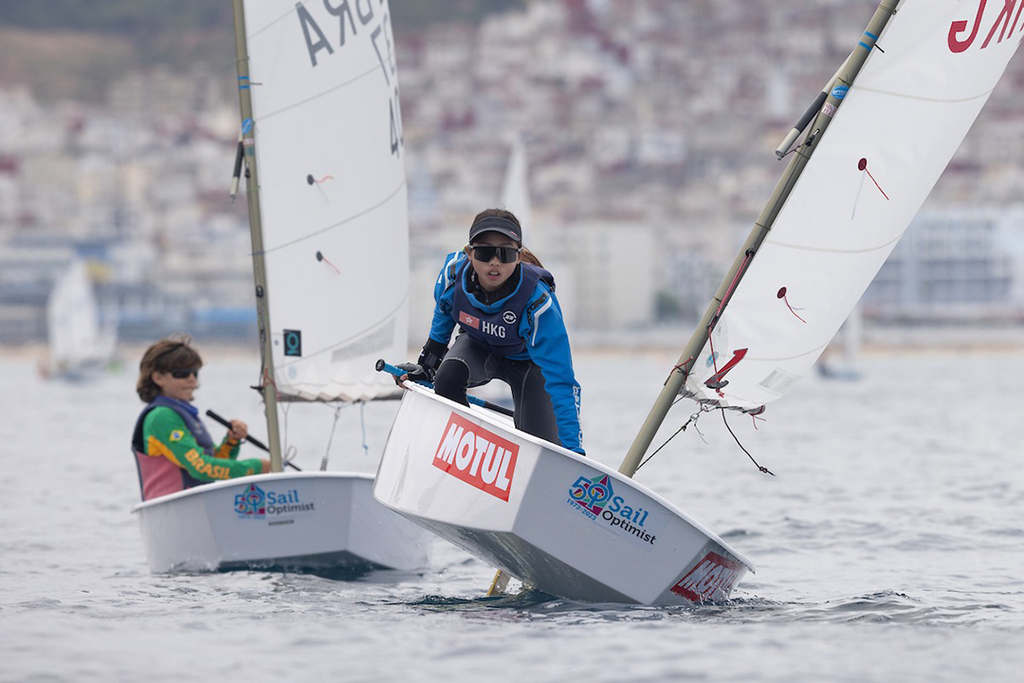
732, 285
338, 224
284, 432
327, 453
714, 358
268, 380
693, 419
721, 305
764, 470
362, 424
680, 367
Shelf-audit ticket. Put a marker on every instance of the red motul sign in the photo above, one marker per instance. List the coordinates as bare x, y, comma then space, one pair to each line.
476, 456
710, 575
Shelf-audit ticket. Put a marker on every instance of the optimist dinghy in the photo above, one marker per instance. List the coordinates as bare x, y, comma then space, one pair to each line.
300, 521
322, 125
877, 138
561, 522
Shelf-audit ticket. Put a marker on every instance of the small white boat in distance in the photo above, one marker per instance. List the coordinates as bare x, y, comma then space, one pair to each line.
562, 523
80, 346
302, 521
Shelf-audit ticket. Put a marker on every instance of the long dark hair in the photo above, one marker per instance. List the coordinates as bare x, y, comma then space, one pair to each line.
525, 255
173, 353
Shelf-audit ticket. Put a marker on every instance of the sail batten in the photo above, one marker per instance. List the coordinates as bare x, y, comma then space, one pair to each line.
397, 194
833, 250
925, 98
324, 93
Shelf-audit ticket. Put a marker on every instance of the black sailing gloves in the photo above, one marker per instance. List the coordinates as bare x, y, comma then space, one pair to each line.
426, 365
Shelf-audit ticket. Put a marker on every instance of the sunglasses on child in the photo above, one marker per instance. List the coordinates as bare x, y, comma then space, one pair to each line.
485, 252
182, 374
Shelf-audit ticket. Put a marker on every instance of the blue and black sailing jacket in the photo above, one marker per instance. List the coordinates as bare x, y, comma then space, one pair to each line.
525, 325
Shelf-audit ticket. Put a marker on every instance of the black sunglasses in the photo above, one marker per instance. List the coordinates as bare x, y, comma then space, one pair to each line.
486, 252
182, 374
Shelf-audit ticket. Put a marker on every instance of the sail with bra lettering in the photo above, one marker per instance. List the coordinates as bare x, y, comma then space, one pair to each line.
919, 91
332, 194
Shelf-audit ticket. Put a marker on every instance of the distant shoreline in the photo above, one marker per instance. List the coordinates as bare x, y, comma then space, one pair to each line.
986, 339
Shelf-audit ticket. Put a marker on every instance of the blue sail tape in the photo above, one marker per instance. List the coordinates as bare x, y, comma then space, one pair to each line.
873, 38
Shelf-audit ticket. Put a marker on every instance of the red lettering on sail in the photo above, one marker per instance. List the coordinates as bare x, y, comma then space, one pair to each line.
958, 28
712, 577
1004, 16
477, 456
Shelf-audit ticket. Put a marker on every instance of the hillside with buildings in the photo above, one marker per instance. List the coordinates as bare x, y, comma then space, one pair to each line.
649, 130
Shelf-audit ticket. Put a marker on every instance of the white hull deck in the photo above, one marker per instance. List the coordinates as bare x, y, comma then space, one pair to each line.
302, 521
562, 523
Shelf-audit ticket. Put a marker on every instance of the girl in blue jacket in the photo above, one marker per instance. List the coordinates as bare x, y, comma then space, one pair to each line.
510, 328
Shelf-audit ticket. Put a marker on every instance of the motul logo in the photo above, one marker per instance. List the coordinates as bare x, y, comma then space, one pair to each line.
712, 574
477, 457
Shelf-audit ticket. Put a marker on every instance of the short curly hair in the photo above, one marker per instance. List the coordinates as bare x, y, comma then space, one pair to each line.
173, 353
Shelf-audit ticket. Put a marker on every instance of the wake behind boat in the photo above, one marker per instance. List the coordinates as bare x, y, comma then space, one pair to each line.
321, 148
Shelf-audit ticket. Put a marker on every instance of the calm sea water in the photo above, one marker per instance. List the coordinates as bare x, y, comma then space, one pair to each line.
888, 547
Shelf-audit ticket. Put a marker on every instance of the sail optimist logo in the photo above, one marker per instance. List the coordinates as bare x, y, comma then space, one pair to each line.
596, 499
592, 495
251, 503
477, 456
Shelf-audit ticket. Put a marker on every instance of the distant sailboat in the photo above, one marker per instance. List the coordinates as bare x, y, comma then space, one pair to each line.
80, 345
844, 362
515, 188
322, 147
877, 138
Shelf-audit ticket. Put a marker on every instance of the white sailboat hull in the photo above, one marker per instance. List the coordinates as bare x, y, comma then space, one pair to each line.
303, 521
562, 523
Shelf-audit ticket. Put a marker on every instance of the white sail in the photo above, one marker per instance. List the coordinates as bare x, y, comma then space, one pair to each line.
76, 338
515, 188
332, 194
906, 113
